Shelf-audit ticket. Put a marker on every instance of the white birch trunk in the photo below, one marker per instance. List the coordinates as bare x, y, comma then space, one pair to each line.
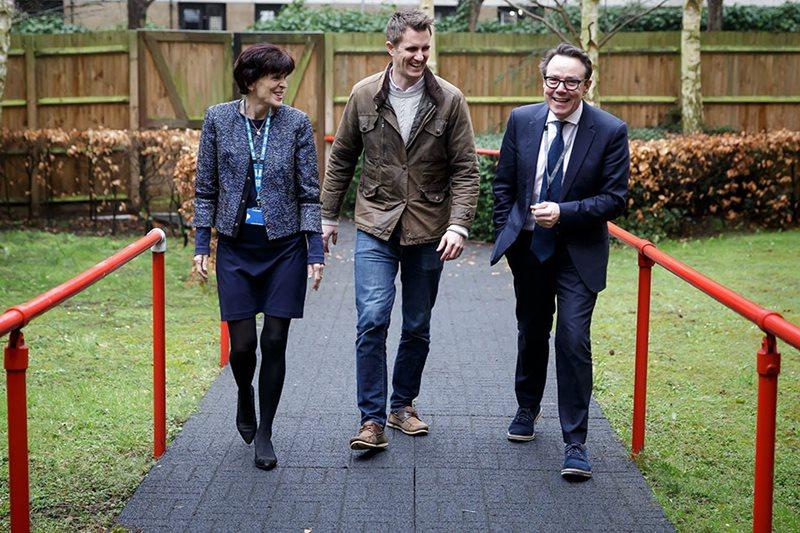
6, 11
590, 31
426, 6
691, 96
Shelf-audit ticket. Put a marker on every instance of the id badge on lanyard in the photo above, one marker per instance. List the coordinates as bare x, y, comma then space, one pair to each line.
254, 215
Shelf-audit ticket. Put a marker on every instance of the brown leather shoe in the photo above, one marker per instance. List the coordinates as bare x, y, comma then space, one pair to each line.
407, 420
370, 437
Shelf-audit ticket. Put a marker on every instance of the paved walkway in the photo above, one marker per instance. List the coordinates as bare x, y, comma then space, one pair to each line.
464, 476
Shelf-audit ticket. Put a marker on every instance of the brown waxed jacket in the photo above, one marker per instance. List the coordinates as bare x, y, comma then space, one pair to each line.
424, 185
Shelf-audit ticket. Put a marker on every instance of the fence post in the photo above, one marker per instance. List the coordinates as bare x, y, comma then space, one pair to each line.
159, 349
642, 342
224, 344
768, 365
16, 364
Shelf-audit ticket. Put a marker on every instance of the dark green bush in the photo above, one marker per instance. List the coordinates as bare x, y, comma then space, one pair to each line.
51, 23
299, 17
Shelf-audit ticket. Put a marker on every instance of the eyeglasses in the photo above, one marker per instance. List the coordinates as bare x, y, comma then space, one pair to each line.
570, 84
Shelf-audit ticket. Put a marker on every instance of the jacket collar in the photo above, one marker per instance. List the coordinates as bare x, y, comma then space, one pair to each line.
432, 87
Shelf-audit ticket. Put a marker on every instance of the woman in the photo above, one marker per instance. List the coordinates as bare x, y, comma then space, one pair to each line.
257, 184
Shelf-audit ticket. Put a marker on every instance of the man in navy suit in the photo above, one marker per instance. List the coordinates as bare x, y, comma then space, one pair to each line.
562, 175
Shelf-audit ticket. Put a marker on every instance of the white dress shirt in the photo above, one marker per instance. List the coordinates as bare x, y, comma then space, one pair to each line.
568, 132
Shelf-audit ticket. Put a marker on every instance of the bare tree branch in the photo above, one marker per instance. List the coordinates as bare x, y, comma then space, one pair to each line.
541, 19
562, 10
629, 20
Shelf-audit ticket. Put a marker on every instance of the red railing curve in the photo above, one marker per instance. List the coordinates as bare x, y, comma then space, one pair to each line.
768, 360
16, 363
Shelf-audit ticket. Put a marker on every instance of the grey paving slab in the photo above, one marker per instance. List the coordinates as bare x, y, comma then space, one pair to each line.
464, 476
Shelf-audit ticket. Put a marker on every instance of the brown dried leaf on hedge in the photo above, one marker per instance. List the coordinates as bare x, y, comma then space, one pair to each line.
680, 180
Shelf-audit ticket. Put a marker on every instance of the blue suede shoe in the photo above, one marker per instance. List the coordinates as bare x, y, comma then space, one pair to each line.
522, 427
576, 462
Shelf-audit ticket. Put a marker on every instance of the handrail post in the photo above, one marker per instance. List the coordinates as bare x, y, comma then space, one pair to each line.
768, 365
16, 364
642, 342
224, 344
159, 349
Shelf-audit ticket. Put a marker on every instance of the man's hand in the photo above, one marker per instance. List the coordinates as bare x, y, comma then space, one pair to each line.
329, 232
315, 271
201, 264
546, 214
451, 245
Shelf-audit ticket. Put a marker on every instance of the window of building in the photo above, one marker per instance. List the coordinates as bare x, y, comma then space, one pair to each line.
41, 7
439, 12
201, 16
508, 15
267, 12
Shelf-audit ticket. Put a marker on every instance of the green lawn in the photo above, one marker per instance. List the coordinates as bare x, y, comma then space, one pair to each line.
702, 393
90, 412
90, 376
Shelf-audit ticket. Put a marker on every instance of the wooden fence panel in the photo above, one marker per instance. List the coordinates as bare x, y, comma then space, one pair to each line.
181, 74
15, 115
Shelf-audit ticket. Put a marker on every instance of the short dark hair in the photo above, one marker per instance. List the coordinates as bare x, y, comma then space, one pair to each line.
260, 60
566, 49
402, 20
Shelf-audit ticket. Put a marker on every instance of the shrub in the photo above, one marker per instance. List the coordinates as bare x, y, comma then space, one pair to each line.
681, 183
49, 23
298, 17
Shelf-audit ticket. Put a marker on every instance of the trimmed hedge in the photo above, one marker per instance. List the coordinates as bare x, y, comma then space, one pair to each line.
678, 183
684, 184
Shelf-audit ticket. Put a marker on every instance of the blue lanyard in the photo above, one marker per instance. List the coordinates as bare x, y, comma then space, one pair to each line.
258, 162
254, 215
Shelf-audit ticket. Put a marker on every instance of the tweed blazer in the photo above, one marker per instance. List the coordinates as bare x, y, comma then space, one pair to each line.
289, 195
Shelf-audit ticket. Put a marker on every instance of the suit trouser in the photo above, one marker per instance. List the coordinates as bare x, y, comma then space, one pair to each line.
538, 287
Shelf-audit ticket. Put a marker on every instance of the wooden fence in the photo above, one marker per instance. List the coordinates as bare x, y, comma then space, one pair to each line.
751, 81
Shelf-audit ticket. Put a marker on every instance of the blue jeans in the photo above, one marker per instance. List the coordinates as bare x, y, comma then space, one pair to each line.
376, 266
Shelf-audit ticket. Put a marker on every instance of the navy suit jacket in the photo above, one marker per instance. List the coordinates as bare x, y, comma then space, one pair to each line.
593, 191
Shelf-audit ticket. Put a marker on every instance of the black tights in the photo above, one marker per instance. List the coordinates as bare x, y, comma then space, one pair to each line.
273, 364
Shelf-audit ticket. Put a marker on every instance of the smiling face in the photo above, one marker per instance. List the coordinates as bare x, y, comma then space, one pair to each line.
270, 89
562, 101
410, 56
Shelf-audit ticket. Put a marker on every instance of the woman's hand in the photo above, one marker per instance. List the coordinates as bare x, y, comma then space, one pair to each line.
201, 265
315, 271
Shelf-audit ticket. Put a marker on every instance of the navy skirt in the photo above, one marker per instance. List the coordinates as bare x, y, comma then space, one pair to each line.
256, 275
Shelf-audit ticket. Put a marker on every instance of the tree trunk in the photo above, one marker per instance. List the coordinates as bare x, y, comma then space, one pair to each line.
714, 15
426, 6
590, 30
6, 11
691, 97
137, 13
474, 13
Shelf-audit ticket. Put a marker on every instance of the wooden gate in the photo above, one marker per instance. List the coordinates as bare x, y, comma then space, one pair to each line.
180, 75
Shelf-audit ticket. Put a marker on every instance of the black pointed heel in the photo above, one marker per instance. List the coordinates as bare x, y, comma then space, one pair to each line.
246, 416
265, 458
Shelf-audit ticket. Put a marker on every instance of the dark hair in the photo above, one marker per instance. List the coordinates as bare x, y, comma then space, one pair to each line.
566, 49
402, 20
258, 61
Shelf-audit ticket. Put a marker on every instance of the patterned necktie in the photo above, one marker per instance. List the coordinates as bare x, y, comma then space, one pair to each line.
544, 239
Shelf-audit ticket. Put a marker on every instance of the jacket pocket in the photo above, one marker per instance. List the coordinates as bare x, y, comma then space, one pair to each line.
435, 194
436, 126
367, 123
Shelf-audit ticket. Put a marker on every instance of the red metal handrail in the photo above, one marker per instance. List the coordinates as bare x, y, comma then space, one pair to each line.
16, 363
768, 361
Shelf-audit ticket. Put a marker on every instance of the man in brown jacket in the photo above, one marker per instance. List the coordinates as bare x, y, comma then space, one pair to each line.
415, 204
